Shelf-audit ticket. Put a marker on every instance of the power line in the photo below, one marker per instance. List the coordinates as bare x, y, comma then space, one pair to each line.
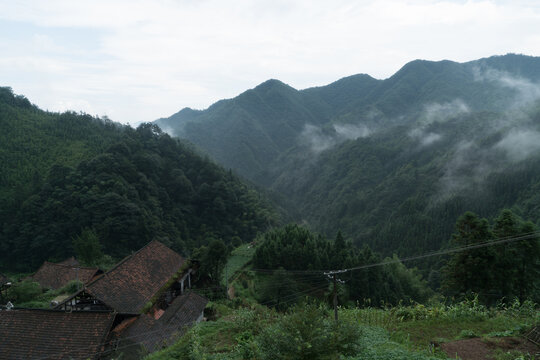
487, 243
314, 274
294, 296
289, 271
447, 251
158, 334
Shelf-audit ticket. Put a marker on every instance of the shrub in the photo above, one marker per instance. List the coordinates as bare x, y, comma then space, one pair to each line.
71, 287
307, 332
24, 291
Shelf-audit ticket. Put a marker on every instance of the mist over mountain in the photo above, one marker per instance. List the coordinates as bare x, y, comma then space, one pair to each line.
392, 162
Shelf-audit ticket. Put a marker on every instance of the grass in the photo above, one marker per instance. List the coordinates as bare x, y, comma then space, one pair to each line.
423, 326
217, 339
401, 332
424, 332
512, 355
242, 333
238, 259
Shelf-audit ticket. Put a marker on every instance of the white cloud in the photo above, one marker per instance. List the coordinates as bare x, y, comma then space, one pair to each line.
351, 131
430, 138
316, 139
155, 57
466, 170
470, 163
319, 140
436, 112
520, 144
527, 91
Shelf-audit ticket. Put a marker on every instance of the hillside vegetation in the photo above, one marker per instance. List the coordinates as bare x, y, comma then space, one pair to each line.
69, 175
309, 332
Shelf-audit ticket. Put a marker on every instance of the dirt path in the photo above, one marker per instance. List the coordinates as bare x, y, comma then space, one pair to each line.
484, 349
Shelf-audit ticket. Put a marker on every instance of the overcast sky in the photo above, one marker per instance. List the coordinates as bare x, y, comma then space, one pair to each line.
136, 61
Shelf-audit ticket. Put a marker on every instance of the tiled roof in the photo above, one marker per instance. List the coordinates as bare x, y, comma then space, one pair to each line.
54, 276
133, 282
184, 311
50, 334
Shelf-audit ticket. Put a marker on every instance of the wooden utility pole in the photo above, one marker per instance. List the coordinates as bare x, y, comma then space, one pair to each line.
332, 274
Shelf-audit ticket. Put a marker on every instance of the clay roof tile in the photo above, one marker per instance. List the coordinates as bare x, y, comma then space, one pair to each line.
51, 334
135, 280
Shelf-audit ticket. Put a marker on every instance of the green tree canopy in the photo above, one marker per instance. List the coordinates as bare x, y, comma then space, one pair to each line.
502, 270
87, 247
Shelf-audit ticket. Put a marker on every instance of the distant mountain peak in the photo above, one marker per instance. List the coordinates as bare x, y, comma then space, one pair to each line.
421, 66
270, 84
188, 110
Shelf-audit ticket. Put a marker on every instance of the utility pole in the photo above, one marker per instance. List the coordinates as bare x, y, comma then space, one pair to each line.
335, 280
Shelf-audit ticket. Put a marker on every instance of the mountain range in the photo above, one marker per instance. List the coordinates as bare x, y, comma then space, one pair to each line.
394, 162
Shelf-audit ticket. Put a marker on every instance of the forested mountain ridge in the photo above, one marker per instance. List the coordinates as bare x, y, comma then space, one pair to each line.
248, 131
393, 163
30, 144
256, 131
66, 174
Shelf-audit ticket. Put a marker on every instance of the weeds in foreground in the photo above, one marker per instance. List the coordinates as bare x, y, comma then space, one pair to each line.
469, 309
512, 355
304, 332
435, 323
250, 331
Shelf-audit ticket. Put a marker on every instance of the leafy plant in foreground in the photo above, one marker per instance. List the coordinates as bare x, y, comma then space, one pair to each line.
309, 333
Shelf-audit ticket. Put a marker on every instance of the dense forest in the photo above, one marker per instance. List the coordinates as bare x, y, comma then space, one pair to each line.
391, 163
494, 270
294, 248
67, 176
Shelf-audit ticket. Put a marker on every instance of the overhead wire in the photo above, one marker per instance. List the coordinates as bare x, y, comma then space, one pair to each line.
491, 242
447, 251
294, 296
157, 334
310, 274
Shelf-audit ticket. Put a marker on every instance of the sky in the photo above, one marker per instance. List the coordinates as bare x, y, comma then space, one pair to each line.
136, 61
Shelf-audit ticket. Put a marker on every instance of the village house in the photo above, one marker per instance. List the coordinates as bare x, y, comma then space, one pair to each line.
154, 274
146, 293
158, 328
49, 334
57, 275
